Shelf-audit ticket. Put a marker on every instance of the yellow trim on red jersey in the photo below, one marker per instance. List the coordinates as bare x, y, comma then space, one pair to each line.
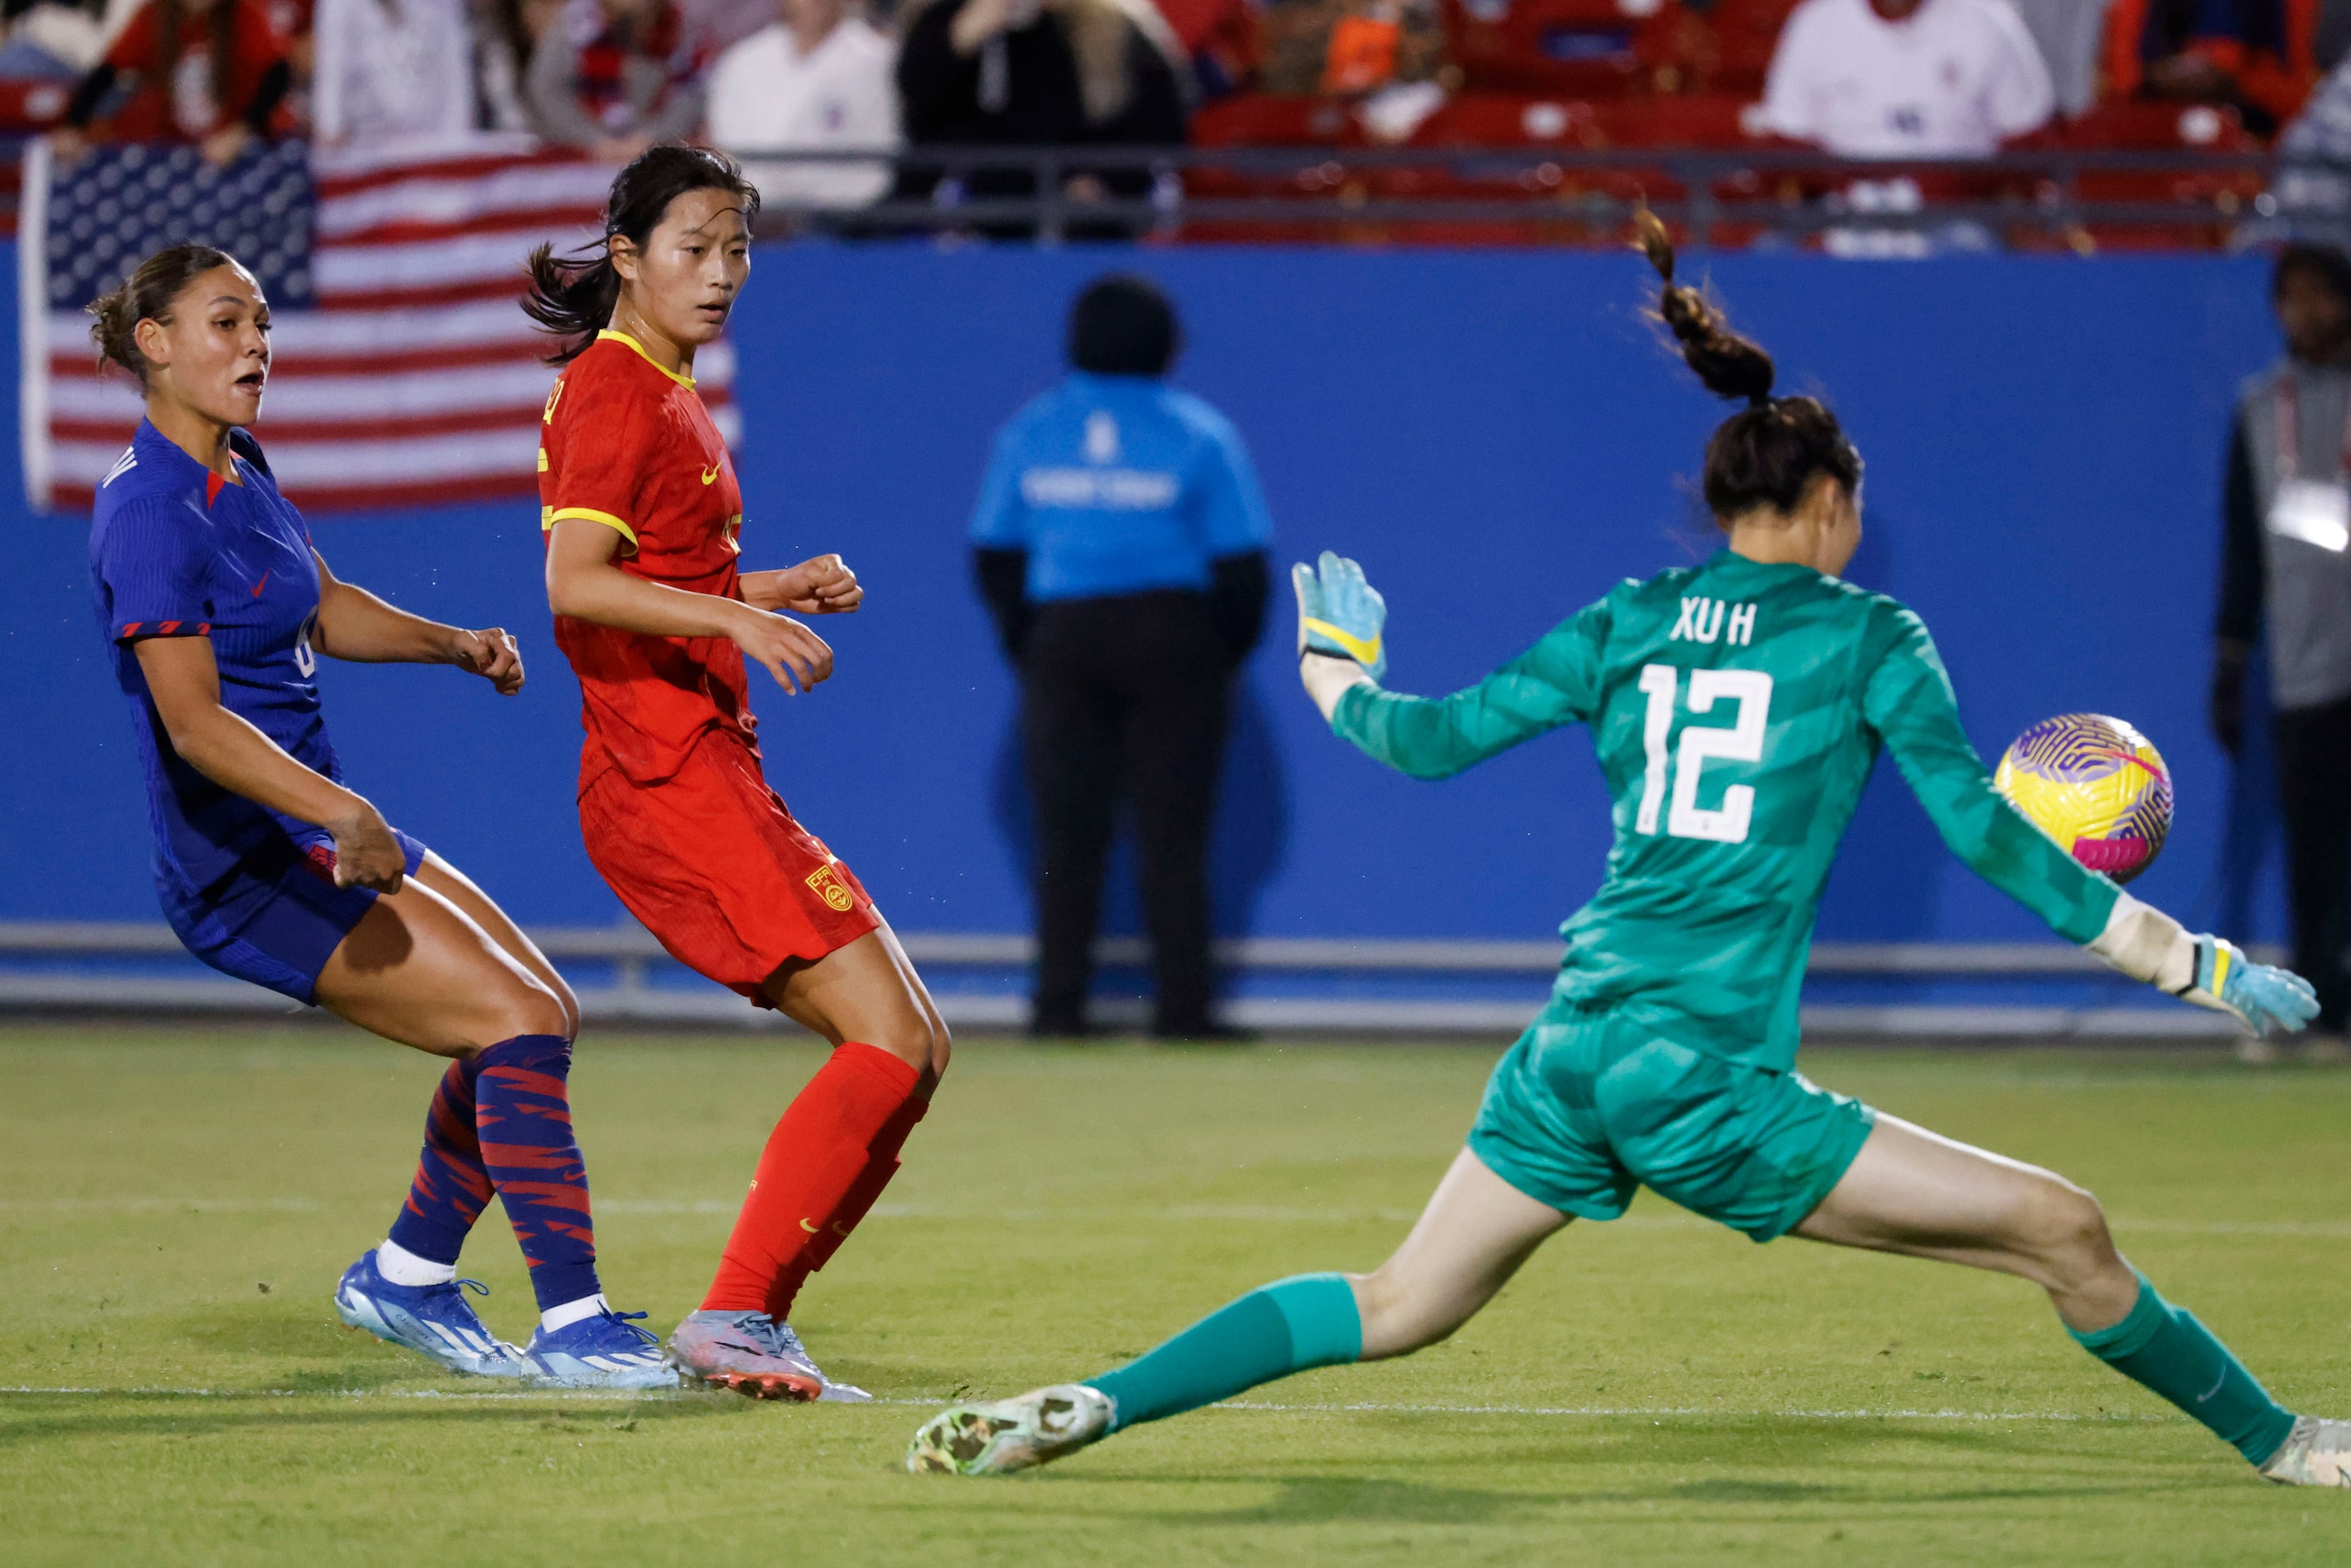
542, 459
686, 382
548, 516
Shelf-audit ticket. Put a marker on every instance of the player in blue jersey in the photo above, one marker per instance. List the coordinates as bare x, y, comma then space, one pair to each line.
216, 606
1736, 708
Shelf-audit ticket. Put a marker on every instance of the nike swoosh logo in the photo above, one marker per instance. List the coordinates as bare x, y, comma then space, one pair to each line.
262, 584
710, 475
807, 1226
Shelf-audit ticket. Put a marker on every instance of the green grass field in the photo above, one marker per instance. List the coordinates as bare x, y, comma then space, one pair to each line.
175, 1206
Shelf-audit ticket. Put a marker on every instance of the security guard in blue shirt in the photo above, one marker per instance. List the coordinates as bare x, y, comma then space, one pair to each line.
1120, 542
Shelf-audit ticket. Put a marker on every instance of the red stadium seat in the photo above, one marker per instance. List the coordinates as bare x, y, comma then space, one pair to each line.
2152, 126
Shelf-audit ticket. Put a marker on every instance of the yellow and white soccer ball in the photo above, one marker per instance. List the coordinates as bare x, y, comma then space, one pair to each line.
2096, 786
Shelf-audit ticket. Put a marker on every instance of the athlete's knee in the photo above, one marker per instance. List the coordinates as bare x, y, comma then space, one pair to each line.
1401, 1313
569, 1002
526, 1005
917, 1037
2063, 1228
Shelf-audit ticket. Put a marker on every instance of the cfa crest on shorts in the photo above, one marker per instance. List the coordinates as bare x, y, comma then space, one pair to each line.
831, 889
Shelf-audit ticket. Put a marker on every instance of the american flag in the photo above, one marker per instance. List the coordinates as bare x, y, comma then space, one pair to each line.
405, 374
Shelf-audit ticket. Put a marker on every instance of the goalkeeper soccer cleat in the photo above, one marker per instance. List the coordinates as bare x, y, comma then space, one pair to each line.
1009, 1435
2316, 1453
435, 1321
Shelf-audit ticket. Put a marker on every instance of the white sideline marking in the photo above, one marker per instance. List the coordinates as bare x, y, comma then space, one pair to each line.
1598, 1412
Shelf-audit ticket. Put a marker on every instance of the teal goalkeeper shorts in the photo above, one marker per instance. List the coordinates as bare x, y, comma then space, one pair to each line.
1587, 1107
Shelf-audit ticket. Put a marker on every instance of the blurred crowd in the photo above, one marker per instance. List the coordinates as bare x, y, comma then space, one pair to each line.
1858, 78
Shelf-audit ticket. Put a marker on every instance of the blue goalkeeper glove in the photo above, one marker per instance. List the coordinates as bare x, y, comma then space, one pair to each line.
2261, 995
1340, 614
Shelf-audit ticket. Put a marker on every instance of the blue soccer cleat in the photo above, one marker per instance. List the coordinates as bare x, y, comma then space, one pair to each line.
435, 1321
606, 1351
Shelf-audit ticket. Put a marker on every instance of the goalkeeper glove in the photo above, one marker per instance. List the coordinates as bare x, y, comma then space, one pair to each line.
1340, 614
2259, 995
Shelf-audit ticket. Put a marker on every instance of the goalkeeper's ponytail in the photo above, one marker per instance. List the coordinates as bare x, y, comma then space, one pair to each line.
1769, 453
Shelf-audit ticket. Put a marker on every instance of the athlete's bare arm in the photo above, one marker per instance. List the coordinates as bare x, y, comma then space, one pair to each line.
824, 586
357, 626
185, 681
583, 584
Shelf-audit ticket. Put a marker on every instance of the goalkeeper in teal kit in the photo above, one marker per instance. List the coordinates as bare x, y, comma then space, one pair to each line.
1736, 708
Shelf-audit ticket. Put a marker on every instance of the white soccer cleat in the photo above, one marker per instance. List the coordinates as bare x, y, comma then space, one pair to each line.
1009, 1435
2316, 1453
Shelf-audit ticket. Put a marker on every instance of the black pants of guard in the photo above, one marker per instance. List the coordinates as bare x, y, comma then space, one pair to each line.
1124, 700
2313, 760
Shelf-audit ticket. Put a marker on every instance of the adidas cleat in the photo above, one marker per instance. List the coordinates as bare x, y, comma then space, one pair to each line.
1009, 1435
752, 1354
607, 1351
2316, 1453
435, 1321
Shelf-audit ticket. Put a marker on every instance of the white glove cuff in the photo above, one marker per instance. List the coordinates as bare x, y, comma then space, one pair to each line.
2147, 945
1328, 679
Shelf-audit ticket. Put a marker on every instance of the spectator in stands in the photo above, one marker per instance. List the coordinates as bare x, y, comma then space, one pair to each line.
2258, 54
50, 40
1120, 542
1040, 72
719, 24
2286, 523
506, 35
214, 72
2310, 194
2071, 35
1897, 79
817, 78
390, 70
615, 76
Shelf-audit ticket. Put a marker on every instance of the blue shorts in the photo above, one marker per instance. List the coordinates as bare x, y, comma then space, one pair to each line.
278, 916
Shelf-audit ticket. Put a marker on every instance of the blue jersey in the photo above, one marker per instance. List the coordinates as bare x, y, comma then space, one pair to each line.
175, 551
1119, 484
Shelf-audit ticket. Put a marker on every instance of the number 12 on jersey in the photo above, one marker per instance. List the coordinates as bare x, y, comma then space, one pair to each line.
1740, 742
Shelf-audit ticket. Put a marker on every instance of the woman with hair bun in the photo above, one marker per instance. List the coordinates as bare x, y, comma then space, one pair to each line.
644, 523
216, 606
1738, 707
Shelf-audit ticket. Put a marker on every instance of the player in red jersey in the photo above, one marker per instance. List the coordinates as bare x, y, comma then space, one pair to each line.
641, 516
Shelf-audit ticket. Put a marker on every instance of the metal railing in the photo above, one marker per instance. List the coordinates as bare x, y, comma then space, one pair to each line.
2050, 199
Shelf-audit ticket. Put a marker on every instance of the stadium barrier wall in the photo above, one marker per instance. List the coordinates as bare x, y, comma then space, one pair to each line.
1498, 436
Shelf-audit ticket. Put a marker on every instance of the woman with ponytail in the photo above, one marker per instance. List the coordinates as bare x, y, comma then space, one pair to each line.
643, 525
216, 606
1737, 708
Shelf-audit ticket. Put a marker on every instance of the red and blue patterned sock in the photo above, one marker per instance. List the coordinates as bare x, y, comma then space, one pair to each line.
522, 1117
452, 1187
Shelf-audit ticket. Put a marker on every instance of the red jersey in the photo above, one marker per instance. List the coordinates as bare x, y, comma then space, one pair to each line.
628, 444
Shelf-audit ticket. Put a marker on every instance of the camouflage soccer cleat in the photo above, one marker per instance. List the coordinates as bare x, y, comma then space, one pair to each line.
1009, 1435
2316, 1453
752, 1354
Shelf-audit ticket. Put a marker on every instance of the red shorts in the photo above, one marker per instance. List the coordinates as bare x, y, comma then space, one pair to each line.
712, 863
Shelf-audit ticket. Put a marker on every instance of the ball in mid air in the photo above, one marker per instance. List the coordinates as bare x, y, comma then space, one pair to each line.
2096, 786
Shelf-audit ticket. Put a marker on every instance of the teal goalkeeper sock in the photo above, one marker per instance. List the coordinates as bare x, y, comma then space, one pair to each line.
2164, 1348
1290, 1325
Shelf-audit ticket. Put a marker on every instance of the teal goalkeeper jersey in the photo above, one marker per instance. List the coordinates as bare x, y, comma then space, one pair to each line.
1737, 709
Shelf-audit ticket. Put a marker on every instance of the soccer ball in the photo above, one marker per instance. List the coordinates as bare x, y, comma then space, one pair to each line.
2096, 784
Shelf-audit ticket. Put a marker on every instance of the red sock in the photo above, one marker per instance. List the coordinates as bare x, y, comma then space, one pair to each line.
812, 1163
881, 1164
